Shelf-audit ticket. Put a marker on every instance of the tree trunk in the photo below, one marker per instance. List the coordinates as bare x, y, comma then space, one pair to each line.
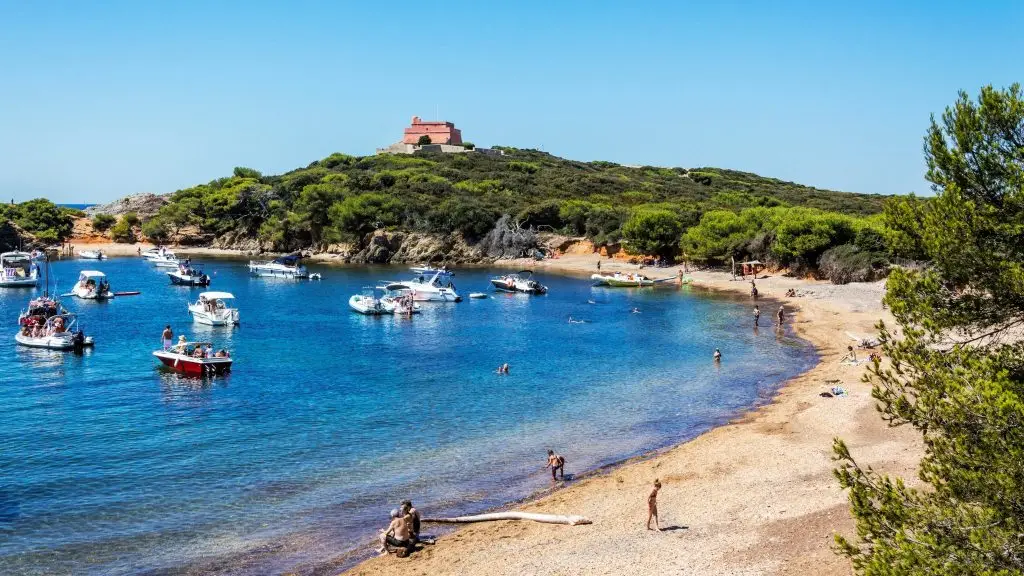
545, 518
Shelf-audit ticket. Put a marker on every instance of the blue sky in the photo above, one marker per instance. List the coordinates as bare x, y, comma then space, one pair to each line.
99, 100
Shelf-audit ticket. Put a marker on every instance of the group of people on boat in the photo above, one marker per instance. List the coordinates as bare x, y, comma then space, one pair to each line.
36, 327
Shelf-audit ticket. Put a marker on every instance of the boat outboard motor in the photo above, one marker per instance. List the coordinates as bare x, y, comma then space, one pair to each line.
78, 340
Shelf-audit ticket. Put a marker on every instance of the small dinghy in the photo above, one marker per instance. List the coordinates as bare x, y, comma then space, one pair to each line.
477, 295
366, 304
195, 359
92, 255
620, 280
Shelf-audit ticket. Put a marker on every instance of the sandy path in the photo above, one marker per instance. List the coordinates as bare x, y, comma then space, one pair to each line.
753, 497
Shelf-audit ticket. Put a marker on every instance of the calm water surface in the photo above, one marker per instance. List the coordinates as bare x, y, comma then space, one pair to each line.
110, 466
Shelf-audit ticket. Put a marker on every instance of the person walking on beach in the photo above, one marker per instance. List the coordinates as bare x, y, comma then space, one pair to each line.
757, 316
652, 506
753, 290
781, 314
167, 337
598, 264
557, 463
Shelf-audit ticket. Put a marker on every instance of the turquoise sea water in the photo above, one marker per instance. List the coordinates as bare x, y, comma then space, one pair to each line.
329, 419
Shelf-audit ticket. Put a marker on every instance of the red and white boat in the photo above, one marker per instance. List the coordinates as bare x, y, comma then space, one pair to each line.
195, 359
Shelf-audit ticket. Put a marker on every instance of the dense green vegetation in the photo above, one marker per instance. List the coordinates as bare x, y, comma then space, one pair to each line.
342, 198
957, 368
43, 219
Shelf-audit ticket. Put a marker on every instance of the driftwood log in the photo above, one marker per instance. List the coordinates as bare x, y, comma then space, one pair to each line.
545, 518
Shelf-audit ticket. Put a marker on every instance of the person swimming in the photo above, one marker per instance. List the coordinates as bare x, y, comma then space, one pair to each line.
635, 311
503, 369
718, 355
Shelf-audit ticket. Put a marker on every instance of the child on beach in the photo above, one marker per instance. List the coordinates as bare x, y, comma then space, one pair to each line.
652, 506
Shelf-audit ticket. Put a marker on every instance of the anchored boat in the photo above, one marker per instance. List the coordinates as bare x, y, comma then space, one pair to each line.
18, 270
620, 280
92, 285
195, 359
58, 332
187, 276
284, 267
366, 304
521, 281
438, 288
214, 309
92, 255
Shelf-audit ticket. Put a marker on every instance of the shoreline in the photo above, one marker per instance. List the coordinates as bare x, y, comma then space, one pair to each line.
753, 496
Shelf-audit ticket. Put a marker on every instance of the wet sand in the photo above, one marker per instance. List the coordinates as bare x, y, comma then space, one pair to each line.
756, 496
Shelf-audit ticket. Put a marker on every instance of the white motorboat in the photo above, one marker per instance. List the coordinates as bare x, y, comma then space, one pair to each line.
398, 302
58, 332
166, 260
188, 276
283, 267
18, 270
214, 309
521, 281
151, 253
438, 288
366, 304
428, 270
92, 285
92, 255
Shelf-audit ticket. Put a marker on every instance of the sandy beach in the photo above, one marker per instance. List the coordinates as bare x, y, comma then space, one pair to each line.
756, 496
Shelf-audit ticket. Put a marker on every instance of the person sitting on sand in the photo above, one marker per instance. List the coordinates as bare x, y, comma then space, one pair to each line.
851, 355
791, 293
398, 534
652, 506
407, 509
557, 463
718, 355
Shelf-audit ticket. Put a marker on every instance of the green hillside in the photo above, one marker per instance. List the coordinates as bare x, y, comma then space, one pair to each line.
342, 198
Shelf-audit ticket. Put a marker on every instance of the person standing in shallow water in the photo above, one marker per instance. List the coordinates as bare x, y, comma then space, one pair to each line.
557, 463
652, 506
782, 315
757, 316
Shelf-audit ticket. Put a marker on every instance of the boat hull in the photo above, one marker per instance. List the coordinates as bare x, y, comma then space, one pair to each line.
19, 283
85, 294
517, 287
275, 273
186, 280
197, 367
56, 342
366, 306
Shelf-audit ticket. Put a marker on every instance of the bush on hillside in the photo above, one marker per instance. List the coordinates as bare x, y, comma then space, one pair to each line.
122, 231
103, 222
653, 232
848, 263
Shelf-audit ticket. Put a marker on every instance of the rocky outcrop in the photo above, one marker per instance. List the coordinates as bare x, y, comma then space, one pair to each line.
144, 205
383, 247
238, 241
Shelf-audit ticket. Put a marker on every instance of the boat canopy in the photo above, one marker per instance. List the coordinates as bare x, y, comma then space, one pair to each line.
12, 257
397, 286
289, 260
216, 295
92, 274
525, 272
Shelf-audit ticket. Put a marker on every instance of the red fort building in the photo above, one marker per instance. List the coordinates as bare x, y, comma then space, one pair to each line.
438, 132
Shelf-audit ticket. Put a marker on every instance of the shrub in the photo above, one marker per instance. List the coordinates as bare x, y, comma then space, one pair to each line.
424, 140
653, 232
848, 263
468, 145
103, 222
122, 231
156, 230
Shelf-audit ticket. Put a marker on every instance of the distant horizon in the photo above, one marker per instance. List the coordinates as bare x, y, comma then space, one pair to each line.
124, 98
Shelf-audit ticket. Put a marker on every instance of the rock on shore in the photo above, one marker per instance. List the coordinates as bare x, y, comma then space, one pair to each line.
144, 205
